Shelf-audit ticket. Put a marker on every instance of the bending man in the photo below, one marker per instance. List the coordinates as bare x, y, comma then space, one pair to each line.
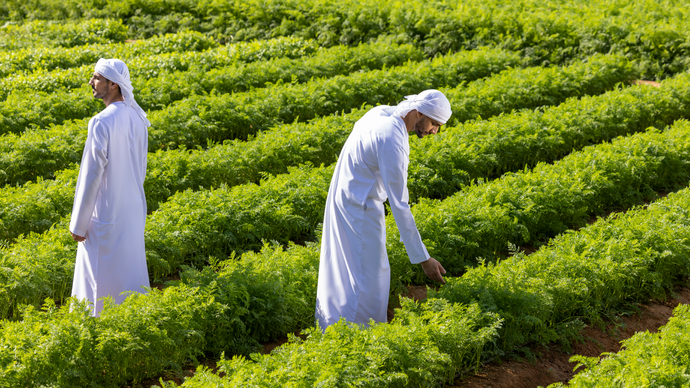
354, 273
109, 210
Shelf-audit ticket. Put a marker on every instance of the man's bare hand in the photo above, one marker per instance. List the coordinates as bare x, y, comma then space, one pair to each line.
82, 238
434, 270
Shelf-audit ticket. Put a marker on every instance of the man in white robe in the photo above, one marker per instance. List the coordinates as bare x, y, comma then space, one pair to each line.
109, 210
354, 273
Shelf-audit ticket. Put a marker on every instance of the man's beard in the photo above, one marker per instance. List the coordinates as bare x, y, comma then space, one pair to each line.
99, 95
417, 131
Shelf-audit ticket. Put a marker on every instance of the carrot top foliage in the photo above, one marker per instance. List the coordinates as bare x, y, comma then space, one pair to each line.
655, 33
250, 103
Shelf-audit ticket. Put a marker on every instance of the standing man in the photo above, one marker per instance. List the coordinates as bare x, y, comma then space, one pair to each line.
354, 273
109, 210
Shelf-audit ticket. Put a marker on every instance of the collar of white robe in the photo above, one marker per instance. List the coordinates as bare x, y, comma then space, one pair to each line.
116, 71
430, 103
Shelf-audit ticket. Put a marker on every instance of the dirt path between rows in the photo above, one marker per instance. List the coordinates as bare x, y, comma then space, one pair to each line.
553, 365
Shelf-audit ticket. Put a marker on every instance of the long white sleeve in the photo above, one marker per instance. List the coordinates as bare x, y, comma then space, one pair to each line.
393, 167
93, 163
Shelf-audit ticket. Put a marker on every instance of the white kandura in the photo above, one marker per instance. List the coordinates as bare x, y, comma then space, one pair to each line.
354, 273
110, 207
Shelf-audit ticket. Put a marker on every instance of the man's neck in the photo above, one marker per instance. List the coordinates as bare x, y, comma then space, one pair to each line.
115, 98
410, 120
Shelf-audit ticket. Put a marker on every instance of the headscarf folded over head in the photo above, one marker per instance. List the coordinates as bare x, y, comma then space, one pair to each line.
430, 103
116, 71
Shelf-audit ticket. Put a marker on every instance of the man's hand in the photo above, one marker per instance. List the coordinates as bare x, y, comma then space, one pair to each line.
82, 238
434, 270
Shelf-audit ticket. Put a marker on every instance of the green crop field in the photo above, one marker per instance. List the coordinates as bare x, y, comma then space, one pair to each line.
554, 148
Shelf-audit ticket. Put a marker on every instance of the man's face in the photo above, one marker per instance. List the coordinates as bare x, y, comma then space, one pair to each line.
101, 86
426, 126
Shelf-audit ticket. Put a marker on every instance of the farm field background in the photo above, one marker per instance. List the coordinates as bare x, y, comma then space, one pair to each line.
553, 148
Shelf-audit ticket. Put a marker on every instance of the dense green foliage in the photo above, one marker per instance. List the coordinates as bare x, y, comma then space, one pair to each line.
541, 298
35, 207
652, 32
531, 206
193, 225
424, 346
242, 152
226, 311
41, 74
229, 309
647, 359
580, 274
24, 108
198, 120
239, 162
621, 259
238, 218
43, 34
442, 164
41, 58
521, 323
236, 67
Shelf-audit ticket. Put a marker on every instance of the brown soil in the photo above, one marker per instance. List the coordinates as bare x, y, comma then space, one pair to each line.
553, 365
178, 378
161, 284
269, 346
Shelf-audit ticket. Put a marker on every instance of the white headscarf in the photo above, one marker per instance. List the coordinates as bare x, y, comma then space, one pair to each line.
430, 103
116, 71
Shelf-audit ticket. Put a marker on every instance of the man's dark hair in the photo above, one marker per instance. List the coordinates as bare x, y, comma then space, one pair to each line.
118, 86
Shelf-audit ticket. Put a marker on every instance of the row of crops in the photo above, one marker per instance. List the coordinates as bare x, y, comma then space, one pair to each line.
538, 298
651, 359
242, 149
552, 31
301, 193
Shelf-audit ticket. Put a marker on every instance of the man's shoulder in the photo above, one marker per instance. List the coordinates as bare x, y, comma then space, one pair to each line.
381, 118
381, 112
109, 115
104, 114
106, 120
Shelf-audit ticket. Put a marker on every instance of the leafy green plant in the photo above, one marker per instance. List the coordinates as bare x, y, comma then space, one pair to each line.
225, 308
544, 297
546, 32
38, 33
441, 165
240, 162
234, 68
145, 59
541, 304
530, 207
647, 359
26, 108
41, 58
163, 329
582, 275
200, 120
479, 221
541, 298
423, 346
